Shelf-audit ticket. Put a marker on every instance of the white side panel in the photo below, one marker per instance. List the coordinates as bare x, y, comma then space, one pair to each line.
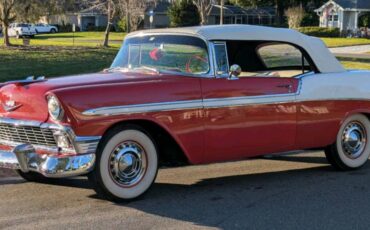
351, 85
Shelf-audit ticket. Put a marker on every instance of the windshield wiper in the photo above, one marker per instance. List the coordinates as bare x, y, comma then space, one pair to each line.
114, 69
125, 69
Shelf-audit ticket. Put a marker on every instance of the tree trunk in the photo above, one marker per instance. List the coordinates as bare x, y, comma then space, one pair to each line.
6, 35
203, 18
279, 4
109, 25
107, 32
222, 13
128, 21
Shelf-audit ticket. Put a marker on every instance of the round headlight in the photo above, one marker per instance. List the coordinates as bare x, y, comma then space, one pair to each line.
55, 110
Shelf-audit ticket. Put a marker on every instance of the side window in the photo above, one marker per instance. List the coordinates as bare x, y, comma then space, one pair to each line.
221, 59
281, 55
285, 58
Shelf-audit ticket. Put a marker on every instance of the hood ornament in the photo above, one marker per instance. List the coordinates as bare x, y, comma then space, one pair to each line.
10, 105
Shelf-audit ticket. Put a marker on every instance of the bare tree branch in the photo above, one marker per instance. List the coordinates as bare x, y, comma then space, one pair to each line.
204, 6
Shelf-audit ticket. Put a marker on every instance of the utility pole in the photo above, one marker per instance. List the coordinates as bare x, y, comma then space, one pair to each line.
222, 13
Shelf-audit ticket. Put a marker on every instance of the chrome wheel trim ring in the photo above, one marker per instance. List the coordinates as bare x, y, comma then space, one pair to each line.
354, 139
127, 164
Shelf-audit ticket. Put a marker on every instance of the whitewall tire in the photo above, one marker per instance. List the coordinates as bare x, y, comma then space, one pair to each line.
127, 164
351, 149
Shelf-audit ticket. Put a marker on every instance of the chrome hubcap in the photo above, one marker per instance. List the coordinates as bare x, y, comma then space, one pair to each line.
354, 140
127, 164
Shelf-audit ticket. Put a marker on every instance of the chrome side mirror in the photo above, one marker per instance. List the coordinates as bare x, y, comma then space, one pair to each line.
235, 71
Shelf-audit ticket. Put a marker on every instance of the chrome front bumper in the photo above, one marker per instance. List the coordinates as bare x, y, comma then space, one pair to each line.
25, 153
25, 158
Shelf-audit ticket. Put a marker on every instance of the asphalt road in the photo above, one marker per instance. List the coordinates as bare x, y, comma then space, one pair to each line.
284, 192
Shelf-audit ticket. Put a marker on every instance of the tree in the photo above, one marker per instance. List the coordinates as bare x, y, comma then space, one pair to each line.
203, 6
27, 10
181, 13
111, 13
281, 5
134, 10
7, 16
110, 7
295, 16
250, 3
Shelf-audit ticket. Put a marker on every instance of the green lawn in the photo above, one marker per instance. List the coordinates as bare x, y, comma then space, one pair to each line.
94, 39
355, 63
53, 61
53, 55
340, 42
89, 39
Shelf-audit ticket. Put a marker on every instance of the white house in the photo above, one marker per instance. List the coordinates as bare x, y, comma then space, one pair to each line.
343, 14
82, 19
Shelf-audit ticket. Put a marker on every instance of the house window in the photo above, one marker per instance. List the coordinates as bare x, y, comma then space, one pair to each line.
334, 18
238, 19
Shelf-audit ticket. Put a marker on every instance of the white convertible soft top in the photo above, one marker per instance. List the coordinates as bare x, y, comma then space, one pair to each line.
320, 54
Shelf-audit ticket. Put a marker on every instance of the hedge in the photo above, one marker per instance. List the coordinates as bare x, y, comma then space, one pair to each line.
320, 31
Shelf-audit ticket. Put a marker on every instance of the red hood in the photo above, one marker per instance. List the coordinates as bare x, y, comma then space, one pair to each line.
31, 97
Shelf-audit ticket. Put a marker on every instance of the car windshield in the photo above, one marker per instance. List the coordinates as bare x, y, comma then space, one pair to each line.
163, 53
22, 25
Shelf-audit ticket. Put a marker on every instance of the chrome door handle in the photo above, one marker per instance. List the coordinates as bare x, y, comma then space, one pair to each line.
287, 86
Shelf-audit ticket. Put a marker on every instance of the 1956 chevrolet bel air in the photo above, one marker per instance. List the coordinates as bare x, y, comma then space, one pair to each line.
188, 95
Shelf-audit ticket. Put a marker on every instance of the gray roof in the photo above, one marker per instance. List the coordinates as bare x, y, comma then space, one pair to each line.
354, 4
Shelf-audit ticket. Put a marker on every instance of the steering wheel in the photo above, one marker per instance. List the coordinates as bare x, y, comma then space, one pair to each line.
193, 58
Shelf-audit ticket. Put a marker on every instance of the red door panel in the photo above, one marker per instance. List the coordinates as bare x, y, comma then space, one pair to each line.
249, 116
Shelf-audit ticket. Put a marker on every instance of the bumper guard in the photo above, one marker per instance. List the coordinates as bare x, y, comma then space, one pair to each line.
25, 158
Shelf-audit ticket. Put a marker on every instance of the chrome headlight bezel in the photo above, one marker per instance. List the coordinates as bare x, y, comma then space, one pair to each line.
55, 109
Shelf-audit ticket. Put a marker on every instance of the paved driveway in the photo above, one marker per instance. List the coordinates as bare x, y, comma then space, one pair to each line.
351, 49
286, 192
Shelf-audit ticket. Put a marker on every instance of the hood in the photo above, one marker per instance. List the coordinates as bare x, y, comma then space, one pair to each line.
28, 101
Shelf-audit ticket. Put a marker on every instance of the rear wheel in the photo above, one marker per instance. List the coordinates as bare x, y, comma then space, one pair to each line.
351, 149
53, 31
126, 165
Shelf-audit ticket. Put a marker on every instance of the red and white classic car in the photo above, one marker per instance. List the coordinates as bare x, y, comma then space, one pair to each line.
189, 95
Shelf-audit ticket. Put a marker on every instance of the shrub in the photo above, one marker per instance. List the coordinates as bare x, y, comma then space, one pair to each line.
122, 25
295, 16
66, 28
320, 31
183, 13
310, 19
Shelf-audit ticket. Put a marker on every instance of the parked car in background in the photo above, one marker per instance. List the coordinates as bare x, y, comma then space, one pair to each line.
19, 30
42, 28
192, 95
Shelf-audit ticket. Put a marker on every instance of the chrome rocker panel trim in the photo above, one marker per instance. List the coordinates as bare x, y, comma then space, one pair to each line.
24, 158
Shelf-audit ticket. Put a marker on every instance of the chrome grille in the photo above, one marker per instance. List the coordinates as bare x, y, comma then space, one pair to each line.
27, 135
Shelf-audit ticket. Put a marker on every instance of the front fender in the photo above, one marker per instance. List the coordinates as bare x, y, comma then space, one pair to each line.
185, 125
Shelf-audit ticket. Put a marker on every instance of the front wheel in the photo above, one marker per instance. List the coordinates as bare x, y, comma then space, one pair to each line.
351, 149
127, 164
